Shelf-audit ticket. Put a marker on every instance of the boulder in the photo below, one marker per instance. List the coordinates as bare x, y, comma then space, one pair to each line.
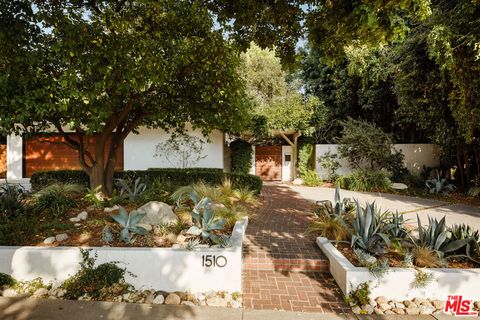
61, 237
412, 310
49, 240
377, 311
83, 215
426, 309
381, 300
298, 181
149, 296
398, 186
438, 304
398, 311
158, 299
157, 213
172, 298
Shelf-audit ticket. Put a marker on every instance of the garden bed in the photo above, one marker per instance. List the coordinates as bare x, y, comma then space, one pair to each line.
398, 283
168, 269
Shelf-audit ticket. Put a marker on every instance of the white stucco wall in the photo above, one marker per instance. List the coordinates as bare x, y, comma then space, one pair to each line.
416, 156
14, 157
286, 166
139, 150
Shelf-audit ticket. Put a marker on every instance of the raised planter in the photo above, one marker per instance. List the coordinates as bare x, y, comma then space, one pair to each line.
397, 283
168, 269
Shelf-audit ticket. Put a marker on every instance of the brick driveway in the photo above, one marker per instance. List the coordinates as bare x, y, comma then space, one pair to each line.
283, 268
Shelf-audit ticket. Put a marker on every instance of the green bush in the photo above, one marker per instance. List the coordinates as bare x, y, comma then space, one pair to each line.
12, 199
241, 154
311, 179
92, 281
6, 280
174, 177
365, 180
305, 152
56, 199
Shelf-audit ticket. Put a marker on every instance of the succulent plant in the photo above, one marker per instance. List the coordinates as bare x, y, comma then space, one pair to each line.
205, 221
107, 235
368, 227
133, 193
396, 226
129, 223
439, 185
12, 198
436, 236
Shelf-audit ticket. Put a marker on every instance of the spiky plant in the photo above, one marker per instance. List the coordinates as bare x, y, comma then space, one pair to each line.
330, 227
427, 258
129, 223
230, 215
56, 199
368, 225
246, 196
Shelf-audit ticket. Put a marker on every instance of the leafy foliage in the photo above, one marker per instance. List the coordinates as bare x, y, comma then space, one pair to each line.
330, 163
91, 280
56, 199
241, 154
129, 223
360, 295
305, 152
311, 179
6, 280
365, 180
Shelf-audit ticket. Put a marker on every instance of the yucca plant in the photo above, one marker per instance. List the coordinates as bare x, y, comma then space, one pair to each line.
368, 227
134, 192
129, 223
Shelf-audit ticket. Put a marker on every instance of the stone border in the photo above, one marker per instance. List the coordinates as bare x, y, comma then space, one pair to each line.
167, 269
396, 284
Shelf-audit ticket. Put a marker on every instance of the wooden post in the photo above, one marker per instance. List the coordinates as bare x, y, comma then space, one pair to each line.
294, 145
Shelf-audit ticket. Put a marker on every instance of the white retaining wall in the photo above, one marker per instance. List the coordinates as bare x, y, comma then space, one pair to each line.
397, 283
165, 269
139, 150
416, 156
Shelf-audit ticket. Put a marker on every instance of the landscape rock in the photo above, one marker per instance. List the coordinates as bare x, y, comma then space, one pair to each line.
49, 240
399, 305
398, 311
75, 219
157, 213
188, 303
149, 297
200, 296
378, 311
145, 226
77, 224
172, 298
9, 293
61, 237
388, 312
236, 304
297, 182
158, 299
426, 309
385, 306
438, 304
111, 209
398, 186
381, 300
356, 310
412, 310
216, 302
409, 303
368, 309
40, 293
83, 215
210, 294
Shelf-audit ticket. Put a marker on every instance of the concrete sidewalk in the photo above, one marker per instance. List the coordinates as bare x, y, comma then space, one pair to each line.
37, 309
455, 213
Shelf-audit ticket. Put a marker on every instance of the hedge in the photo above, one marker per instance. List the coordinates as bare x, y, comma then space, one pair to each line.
241, 156
178, 177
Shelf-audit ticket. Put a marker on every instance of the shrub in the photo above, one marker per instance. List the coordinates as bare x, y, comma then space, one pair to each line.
175, 177
330, 227
305, 152
92, 281
311, 178
57, 198
365, 180
360, 296
6, 280
394, 164
241, 154
364, 144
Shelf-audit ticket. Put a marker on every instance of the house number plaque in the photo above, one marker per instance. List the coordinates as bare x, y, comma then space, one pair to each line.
211, 261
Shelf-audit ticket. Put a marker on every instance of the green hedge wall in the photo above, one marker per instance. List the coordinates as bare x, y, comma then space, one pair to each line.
241, 156
179, 177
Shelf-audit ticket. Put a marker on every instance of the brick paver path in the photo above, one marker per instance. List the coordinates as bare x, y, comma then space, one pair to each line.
283, 268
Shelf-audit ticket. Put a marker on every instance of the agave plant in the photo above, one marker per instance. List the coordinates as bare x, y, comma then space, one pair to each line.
368, 227
129, 223
439, 185
396, 226
437, 237
339, 208
133, 193
205, 221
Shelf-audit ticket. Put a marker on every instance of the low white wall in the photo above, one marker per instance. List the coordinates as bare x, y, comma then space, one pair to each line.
416, 156
397, 283
139, 150
14, 157
165, 269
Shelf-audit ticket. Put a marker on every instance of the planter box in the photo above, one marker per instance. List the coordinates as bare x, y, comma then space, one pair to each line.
168, 269
396, 284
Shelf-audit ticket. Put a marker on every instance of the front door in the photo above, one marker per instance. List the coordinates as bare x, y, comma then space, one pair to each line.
268, 162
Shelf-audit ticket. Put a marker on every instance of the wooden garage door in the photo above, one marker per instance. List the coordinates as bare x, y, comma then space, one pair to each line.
268, 162
3, 160
49, 153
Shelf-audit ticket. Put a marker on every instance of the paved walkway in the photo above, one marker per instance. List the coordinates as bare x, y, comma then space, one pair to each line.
455, 213
283, 268
35, 309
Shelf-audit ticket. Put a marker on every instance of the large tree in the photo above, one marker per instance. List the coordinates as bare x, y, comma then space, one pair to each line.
102, 69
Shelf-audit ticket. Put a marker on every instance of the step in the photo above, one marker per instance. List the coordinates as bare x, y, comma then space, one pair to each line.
292, 265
